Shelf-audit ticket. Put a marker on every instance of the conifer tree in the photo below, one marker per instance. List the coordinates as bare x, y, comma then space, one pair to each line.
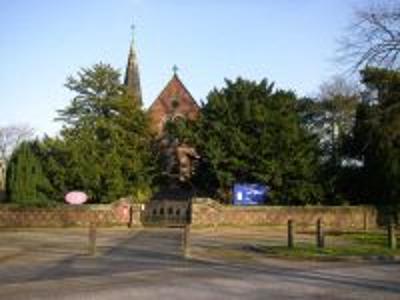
26, 183
105, 144
248, 132
377, 136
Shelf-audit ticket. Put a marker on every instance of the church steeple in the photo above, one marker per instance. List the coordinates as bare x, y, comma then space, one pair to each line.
132, 78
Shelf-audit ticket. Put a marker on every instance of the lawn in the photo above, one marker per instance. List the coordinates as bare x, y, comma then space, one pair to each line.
227, 244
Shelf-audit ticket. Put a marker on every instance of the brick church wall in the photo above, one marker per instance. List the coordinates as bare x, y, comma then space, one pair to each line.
164, 108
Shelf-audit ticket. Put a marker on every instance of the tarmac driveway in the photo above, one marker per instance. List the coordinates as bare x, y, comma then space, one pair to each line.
148, 264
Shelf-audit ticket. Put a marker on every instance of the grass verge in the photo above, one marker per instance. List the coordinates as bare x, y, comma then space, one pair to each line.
345, 246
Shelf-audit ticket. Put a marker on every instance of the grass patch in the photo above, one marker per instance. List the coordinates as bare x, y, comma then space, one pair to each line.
370, 238
339, 246
357, 244
313, 252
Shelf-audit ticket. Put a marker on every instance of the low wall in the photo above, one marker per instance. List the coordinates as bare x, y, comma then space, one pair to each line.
116, 214
206, 212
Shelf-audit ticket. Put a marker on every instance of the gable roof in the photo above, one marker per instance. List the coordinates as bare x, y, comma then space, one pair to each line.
174, 86
174, 100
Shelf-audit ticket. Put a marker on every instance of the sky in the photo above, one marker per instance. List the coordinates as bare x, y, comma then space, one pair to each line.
290, 42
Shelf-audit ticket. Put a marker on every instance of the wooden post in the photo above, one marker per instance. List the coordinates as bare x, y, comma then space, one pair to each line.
130, 216
366, 215
92, 238
391, 234
186, 240
290, 234
320, 234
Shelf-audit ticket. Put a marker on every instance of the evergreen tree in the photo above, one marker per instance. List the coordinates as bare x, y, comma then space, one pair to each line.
377, 136
250, 133
105, 145
26, 183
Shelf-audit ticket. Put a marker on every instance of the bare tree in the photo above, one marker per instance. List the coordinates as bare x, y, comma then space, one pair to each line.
11, 136
373, 38
338, 99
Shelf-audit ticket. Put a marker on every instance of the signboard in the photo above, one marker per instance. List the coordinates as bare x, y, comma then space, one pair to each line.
76, 198
250, 194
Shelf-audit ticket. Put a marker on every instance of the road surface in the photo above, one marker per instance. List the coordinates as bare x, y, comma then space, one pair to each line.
148, 264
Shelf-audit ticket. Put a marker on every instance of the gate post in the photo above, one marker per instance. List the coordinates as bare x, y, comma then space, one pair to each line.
92, 238
130, 220
290, 233
320, 234
186, 241
391, 234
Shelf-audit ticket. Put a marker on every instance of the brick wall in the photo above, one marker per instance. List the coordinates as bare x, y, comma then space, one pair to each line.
164, 108
206, 212
116, 214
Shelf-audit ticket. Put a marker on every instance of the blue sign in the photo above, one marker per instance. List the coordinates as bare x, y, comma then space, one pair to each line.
250, 194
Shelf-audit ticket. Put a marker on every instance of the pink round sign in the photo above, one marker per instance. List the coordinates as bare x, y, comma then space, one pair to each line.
76, 197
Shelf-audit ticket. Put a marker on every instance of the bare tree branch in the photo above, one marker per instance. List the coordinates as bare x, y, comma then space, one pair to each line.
373, 39
11, 136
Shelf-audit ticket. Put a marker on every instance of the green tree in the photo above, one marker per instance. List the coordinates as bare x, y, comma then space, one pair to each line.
377, 136
105, 145
26, 183
248, 132
56, 161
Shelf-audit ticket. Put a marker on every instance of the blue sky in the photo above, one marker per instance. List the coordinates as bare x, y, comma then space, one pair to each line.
292, 43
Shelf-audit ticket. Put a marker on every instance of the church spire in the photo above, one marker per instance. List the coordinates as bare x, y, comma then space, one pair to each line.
132, 78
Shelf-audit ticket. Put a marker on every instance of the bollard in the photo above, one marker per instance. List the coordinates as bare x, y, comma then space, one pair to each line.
365, 219
290, 234
320, 234
391, 234
92, 239
130, 216
186, 241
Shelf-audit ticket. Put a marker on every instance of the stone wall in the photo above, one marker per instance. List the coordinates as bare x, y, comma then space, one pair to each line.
206, 212
116, 214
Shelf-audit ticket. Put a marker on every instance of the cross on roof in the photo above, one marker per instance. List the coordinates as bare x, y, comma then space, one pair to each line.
175, 69
133, 31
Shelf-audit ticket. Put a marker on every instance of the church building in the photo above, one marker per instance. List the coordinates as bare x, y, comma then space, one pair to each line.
174, 101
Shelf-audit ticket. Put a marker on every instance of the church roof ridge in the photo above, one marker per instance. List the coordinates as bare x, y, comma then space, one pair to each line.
177, 79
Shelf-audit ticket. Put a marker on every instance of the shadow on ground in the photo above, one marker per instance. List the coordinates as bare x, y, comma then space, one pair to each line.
158, 252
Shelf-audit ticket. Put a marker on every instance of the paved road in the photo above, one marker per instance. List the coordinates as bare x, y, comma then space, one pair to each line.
149, 265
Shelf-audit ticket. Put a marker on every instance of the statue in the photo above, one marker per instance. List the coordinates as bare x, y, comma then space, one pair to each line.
179, 159
186, 155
